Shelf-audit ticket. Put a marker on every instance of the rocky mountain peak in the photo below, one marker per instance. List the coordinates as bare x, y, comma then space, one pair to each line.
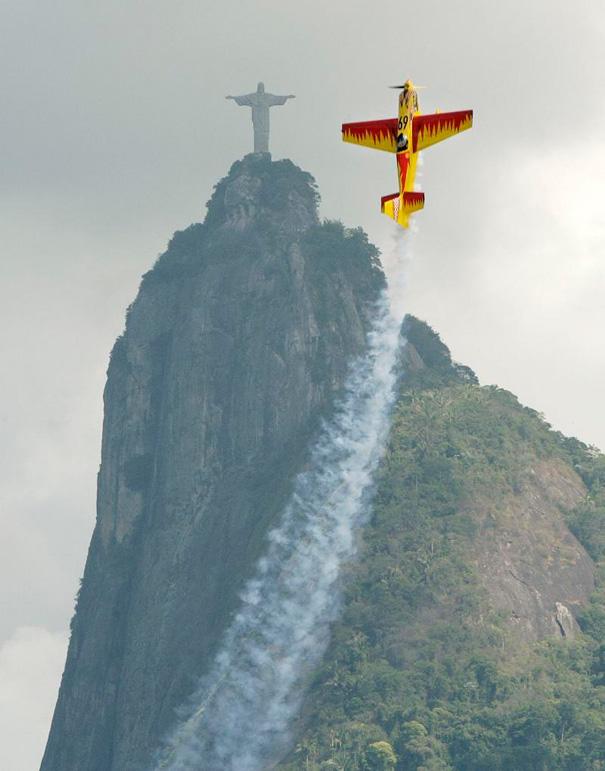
262, 192
235, 348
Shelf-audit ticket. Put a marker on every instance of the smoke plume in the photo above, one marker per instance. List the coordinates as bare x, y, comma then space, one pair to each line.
239, 716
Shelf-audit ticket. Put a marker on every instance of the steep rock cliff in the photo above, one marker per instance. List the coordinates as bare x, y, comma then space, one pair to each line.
236, 345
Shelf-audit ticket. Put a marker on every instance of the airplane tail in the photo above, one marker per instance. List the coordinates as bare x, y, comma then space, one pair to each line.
399, 207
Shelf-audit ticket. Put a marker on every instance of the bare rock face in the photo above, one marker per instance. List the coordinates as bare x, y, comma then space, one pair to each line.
235, 347
565, 620
532, 566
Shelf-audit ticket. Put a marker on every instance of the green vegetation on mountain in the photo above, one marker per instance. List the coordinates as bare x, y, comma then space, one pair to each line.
424, 671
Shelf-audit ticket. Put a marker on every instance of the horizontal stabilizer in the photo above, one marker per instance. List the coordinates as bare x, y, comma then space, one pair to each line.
377, 134
413, 202
399, 207
427, 130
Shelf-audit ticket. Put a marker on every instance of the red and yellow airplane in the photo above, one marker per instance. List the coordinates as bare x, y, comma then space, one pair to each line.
406, 136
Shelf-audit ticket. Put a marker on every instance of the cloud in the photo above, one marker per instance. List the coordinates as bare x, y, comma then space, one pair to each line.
31, 662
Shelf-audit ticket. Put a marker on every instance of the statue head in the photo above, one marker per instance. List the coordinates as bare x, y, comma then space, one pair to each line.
261, 88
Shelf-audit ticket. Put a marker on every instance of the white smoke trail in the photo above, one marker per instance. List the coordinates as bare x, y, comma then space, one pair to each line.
239, 716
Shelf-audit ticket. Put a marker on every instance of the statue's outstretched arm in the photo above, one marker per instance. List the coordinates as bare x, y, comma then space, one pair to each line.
276, 100
243, 101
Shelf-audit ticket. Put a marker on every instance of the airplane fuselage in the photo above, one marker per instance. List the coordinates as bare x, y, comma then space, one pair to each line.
406, 158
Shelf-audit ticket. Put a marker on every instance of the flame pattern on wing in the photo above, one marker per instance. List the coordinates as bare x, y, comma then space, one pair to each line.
377, 134
427, 130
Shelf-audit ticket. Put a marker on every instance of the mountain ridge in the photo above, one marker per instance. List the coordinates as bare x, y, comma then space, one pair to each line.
235, 350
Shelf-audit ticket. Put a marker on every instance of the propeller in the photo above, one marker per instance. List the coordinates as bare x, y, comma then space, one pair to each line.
405, 85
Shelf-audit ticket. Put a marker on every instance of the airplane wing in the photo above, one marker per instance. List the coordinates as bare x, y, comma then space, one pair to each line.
427, 130
378, 134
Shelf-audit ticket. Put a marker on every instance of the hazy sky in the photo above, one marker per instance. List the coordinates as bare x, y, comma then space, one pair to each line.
114, 130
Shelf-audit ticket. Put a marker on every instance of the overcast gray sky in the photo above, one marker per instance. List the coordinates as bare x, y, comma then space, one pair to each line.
114, 130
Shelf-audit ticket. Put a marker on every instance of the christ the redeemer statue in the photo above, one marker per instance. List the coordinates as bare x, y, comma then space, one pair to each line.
260, 101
